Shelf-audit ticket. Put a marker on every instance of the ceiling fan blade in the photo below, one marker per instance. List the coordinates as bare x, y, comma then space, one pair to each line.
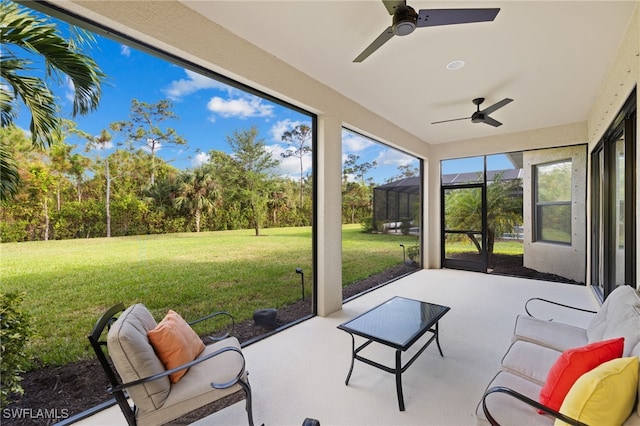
377, 43
435, 17
454, 119
497, 105
392, 5
491, 122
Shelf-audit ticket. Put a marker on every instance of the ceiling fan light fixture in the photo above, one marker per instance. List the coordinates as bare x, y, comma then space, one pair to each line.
403, 28
404, 21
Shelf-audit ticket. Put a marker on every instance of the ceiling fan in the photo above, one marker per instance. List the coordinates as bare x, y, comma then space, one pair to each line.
406, 19
482, 116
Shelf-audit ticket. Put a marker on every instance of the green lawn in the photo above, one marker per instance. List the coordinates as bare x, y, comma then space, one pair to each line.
511, 247
70, 283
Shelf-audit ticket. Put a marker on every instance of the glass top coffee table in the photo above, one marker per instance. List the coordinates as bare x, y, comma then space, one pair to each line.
398, 323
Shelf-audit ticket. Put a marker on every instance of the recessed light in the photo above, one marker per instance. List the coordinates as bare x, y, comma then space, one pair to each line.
455, 65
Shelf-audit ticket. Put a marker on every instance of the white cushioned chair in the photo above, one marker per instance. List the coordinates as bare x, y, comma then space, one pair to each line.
512, 397
218, 371
617, 317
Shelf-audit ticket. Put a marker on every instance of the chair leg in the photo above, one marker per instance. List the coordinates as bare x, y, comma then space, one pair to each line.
123, 402
247, 390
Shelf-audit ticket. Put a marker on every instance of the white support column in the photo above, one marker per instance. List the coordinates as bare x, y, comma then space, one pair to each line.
329, 215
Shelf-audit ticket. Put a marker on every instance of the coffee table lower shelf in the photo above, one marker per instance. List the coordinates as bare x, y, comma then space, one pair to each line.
398, 323
398, 369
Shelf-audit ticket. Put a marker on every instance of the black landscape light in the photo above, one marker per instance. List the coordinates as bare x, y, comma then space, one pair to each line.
404, 254
299, 271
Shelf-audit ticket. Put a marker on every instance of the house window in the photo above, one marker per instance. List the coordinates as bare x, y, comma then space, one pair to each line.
553, 202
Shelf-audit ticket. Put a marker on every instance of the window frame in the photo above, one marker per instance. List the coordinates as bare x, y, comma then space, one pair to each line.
538, 206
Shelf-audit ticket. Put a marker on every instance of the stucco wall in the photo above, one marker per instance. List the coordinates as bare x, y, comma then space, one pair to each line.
568, 261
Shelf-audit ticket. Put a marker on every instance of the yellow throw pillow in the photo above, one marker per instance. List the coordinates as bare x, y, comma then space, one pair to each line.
605, 395
175, 343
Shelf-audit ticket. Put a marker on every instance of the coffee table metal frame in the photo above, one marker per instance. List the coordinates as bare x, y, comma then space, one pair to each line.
428, 324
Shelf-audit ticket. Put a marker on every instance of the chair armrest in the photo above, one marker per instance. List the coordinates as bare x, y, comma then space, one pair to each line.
187, 365
216, 338
526, 306
526, 400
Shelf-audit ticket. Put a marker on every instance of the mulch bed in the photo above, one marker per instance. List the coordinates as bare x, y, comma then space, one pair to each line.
70, 389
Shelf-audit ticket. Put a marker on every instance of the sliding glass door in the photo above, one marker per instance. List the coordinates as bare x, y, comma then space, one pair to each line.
613, 204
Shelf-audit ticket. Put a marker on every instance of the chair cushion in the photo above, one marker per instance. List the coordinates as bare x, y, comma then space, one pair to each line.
134, 357
508, 411
530, 361
572, 364
618, 317
175, 343
552, 334
194, 390
604, 395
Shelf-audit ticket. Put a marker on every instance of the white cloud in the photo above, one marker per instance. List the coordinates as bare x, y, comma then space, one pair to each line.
289, 167
177, 89
125, 50
241, 107
70, 91
394, 158
157, 146
355, 143
102, 146
200, 159
282, 126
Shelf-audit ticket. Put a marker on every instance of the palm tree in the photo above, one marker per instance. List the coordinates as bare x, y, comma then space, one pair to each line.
23, 32
198, 194
463, 210
10, 177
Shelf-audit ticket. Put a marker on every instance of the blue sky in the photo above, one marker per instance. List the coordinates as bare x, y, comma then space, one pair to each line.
208, 112
476, 164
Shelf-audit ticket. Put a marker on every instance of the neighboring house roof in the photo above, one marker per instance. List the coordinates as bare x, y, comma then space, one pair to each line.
508, 174
411, 185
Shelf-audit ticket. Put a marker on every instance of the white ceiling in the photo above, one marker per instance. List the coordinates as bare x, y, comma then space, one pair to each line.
551, 57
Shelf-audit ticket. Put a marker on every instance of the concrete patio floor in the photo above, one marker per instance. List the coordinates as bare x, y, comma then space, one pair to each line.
300, 372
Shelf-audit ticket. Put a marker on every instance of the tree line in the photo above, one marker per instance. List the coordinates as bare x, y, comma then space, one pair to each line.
126, 189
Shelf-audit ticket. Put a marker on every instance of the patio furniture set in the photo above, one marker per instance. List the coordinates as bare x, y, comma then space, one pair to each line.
164, 370
551, 370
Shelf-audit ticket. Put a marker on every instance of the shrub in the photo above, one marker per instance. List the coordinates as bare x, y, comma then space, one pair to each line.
367, 224
413, 253
15, 331
405, 226
14, 231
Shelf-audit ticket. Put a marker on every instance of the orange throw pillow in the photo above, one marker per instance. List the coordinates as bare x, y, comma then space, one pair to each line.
175, 343
572, 364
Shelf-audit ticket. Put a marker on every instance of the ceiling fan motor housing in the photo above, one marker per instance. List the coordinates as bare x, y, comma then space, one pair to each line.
478, 117
404, 20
